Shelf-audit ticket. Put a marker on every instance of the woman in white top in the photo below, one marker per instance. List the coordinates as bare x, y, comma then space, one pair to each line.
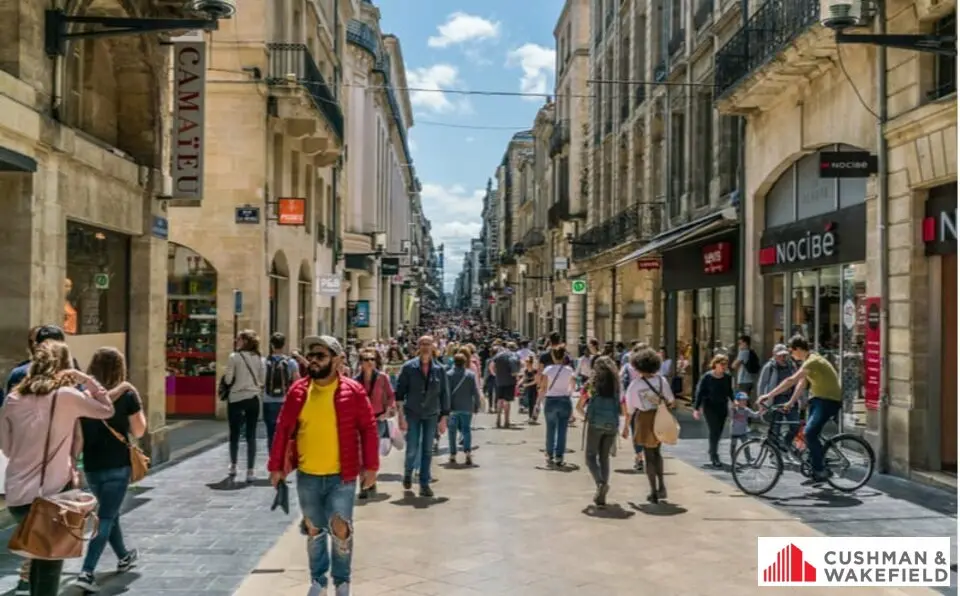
642, 398
557, 382
245, 374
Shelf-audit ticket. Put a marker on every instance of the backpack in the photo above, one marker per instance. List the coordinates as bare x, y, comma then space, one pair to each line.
278, 377
753, 363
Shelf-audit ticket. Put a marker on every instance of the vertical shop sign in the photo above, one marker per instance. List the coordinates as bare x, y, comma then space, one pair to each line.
872, 356
190, 73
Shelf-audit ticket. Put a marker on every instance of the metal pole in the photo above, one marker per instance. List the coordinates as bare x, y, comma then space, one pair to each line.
883, 434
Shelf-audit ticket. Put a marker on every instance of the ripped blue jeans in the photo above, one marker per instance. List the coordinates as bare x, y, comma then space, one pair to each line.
327, 506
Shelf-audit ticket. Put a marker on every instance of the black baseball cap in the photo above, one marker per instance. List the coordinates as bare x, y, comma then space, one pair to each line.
48, 332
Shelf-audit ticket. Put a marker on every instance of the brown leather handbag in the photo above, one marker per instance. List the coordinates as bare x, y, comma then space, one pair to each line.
139, 462
54, 527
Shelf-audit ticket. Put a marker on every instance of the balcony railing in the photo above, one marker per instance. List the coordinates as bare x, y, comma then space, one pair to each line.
559, 138
769, 30
702, 15
295, 59
533, 238
559, 211
640, 221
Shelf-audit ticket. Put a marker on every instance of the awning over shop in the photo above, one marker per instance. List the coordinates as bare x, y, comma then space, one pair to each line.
696, 229
12, 161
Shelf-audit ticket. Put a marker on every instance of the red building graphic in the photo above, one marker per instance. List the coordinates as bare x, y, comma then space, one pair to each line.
789, 567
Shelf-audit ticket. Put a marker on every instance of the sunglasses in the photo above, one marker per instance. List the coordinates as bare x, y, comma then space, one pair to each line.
318, 356
368, 359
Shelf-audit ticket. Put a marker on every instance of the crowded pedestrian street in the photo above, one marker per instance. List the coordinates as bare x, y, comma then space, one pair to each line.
505, 526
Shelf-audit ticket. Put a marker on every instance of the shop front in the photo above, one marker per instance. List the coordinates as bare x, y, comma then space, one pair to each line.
191, 333
699, 283
812, 263
940, 246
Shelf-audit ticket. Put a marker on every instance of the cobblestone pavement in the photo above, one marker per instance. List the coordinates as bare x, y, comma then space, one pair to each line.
197, 534
508, 526
887, 506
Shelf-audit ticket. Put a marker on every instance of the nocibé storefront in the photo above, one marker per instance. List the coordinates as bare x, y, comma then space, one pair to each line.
812, 263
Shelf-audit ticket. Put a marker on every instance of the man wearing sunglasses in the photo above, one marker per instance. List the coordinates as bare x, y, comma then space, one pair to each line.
423, 390
326, 431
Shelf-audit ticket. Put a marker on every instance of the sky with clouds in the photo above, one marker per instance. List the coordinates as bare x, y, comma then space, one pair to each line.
458, 139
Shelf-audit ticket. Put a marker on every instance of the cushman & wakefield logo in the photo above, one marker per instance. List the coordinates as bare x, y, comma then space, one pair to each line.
849, 561
809, 247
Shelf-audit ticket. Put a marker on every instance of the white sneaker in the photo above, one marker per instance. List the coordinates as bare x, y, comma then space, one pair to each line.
342, 589
317, 590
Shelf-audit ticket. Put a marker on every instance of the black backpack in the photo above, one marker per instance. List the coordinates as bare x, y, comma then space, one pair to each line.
753, 363
278, 376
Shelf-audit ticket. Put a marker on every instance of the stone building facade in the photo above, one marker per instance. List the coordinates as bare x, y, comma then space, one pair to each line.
82, 160
275, 137
881, 301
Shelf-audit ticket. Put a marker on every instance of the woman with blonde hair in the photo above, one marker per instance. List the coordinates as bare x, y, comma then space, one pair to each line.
106, 462
246, 374
37, 425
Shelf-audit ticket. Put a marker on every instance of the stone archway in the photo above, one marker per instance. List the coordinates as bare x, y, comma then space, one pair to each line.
304, 302
279, 294
111, 87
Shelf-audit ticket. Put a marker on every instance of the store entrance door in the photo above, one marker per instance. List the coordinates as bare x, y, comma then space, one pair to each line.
948, 364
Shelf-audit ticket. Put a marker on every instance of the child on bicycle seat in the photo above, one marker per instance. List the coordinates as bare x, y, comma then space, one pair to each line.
740, 416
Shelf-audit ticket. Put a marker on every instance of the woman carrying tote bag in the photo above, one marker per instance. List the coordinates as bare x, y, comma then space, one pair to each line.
37, 425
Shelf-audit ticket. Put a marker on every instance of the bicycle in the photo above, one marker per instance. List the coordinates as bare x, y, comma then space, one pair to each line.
772, 449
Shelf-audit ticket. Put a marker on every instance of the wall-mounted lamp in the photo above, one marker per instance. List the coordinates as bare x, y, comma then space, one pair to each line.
570, 232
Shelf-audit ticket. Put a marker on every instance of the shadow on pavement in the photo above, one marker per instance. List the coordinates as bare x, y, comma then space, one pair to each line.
566, 469
389, 477
614, 511
377, 498
411, 500
458, 466
818, 498
661, 509
227, 484
110, 583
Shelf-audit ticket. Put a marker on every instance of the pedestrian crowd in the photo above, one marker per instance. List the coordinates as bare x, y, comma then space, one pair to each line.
332, 408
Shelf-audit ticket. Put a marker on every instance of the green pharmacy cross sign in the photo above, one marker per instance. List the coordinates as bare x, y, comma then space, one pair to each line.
578, 286
101, 281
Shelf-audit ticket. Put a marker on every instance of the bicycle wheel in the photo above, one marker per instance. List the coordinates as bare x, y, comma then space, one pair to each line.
850, 461
757, 458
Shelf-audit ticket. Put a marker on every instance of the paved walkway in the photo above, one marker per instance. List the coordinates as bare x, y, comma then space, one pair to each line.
510, 527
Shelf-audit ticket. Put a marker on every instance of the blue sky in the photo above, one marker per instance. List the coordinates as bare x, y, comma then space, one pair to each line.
495, 45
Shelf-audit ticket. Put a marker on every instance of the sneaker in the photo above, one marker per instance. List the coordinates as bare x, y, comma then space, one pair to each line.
129, 562
602, 491
363, 494
23, 588
662, 493
316, 589
426, 492
550, 461
407, 482
232, 471
453, 460
251, 476
469, 461
86, 582
342, 590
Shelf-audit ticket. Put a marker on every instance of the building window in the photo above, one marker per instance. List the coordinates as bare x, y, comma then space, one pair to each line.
97, 283
945, 69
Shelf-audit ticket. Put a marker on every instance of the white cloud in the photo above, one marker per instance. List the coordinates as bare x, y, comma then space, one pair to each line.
470, 139
538, 64
454, 213
461, 28
430, 82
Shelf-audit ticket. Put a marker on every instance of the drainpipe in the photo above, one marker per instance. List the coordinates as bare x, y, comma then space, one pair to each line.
880, 26
741, 223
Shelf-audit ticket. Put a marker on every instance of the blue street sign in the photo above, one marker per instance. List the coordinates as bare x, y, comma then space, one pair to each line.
247, 215
160, 228
237, 302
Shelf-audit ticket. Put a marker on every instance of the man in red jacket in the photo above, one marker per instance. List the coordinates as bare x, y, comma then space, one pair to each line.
327, 432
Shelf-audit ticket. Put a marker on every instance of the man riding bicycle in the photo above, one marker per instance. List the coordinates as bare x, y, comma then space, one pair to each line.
826, 398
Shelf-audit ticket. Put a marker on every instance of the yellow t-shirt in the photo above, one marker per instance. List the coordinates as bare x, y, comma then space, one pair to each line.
822, 378
318, 443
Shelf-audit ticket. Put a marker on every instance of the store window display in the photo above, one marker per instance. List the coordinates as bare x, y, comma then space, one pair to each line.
191, 333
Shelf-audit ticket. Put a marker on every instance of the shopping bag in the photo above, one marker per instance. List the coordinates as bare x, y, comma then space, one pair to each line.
396, 437
665, 426
385, 446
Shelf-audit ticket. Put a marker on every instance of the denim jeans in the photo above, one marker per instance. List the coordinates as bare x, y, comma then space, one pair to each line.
460, 421
600, 441
44, 575
322, 500
557, 412
819, 412
420, 433
271, 411
110, 487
